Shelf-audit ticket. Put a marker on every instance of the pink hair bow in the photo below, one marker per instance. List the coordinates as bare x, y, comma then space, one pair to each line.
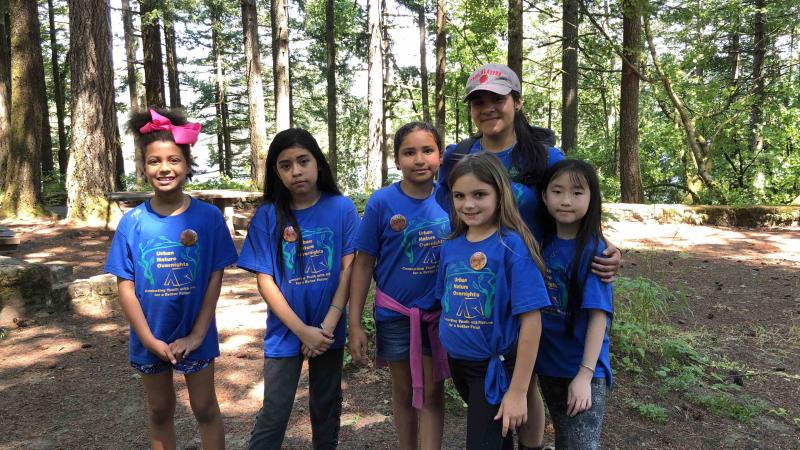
183, 134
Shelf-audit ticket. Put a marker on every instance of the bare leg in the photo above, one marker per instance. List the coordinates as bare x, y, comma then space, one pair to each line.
405, 416
532, 433
432, 415
203, 399
160, 394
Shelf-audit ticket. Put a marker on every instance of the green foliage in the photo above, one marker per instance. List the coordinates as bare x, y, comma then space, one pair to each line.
650, 411
741, 408
222, 182
53, 190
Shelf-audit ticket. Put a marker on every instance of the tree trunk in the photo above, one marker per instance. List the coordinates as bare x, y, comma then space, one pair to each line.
280, 64
630, 175
388, 93
173, 77
374, 96
5, 97
255, 94
423, 62
569, 77
47, 141
330, 47
756, 140
94, 136
441, 51
22, 196
153, 63
221, 96
58, 91
133, 80
515, 33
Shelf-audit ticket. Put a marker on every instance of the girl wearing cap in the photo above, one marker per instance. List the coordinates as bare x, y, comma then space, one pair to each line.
494, 99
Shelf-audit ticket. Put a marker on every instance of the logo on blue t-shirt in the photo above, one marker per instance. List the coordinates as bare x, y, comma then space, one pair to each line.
426, 235
472, 292
555, 278
317, 256
169, 267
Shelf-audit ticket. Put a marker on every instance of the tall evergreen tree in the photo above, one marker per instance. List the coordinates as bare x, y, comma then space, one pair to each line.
153, 61
515, 34
255, 94
330, 62
629, 175
5, 93
569, 76
375, 95
94, 139
58, 93
441, 67
22, 197
280, 64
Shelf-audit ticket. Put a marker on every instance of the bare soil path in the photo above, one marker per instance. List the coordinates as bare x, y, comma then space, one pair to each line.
65, 382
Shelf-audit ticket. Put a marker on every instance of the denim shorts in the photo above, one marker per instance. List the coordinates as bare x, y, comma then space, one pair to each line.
394, 339
185, 366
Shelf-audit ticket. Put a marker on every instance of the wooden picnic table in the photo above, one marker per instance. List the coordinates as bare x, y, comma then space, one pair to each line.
224, 199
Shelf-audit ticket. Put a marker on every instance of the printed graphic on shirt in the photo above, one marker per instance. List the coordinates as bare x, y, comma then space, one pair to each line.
471, 293
555, 278
518, 190
170, 267
317, 256
426, 236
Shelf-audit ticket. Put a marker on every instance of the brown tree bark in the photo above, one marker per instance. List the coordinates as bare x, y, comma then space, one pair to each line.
569, 76
255, 94
94, 139
22, 197
756, 140
280, 63
441, 52
630, 172
374, 96
173, 76
515, 35
5, 96
423, 62
330, 59
58, 91
133, 79
153, 62
221, 96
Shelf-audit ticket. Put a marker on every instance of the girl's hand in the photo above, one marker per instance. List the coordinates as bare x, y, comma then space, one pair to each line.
185, 345
162, 350
579, 394
513, 410
308, 353
316, 339
607, 266
359, 347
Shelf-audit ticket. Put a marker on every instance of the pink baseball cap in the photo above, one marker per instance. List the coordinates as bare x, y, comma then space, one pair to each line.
497, 78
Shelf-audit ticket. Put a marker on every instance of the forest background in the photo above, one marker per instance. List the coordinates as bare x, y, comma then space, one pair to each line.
673, 101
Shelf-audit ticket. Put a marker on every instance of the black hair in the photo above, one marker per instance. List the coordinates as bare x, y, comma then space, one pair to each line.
530, 154
410, 127
590, 232
138, 119
279, 195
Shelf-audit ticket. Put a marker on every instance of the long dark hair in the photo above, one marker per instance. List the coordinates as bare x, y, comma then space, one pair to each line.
590, 232
279, 195
530, 154
138, 119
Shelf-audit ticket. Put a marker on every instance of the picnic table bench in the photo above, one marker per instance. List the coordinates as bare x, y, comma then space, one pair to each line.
224, 199
8, 239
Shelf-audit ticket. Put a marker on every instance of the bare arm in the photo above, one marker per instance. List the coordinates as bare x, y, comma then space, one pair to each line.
312, 337
579, 395
338, 304
363, 267
133, 312
182, 347
513, 409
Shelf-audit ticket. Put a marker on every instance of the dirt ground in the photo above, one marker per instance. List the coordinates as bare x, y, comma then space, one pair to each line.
65, 382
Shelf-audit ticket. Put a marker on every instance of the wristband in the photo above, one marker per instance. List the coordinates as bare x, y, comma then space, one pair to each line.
336, 307
587, 367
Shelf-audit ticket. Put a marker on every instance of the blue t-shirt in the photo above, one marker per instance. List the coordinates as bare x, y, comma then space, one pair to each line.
560, 352
170, 260
327, 230
484, 287
404, 234
528, 199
